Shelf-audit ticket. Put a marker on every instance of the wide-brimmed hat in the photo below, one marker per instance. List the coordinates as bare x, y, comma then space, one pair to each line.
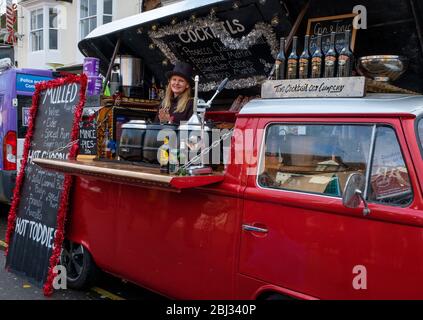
183, 70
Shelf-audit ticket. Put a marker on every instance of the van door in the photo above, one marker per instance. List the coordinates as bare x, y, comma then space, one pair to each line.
298, 236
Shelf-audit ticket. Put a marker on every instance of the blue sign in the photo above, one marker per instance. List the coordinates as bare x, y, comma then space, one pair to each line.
27, 82
25, 116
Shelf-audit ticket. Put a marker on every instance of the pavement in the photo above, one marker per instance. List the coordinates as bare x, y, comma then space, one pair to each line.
13, 287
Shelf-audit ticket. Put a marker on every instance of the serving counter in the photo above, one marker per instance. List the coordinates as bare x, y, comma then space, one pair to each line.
129, 174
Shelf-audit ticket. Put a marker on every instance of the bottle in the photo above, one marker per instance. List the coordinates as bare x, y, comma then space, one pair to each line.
281, 61
153, 90
161, 93
183, 158
173, 160
105, 143
292, 72
272, 73
115, 81
304, 63
164, 156
183, 154
330, 58
317, 59
346, 58
111, 149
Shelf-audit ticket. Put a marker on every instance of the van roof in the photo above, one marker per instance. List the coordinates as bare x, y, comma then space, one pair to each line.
149, 16
372, 104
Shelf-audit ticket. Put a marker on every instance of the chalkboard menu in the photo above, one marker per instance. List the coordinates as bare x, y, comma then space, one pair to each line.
40, 194
88, 137
326, 25
240, 48
88, 127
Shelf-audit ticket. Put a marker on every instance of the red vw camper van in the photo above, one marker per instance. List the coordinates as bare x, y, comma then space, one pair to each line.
321, 199
284, 231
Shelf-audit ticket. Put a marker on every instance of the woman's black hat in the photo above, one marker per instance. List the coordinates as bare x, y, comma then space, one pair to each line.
183, 70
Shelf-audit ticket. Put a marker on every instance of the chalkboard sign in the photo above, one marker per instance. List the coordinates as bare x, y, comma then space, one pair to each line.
88, 127
88, 137
242, 49
326, 25
36, 218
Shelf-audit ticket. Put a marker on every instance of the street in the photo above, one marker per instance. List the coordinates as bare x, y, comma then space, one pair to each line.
13, 287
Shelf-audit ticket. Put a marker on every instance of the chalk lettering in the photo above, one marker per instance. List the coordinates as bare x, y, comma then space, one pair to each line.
62, 94
88, 134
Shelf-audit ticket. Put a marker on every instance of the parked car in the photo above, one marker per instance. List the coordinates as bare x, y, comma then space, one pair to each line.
16, 89
328, 204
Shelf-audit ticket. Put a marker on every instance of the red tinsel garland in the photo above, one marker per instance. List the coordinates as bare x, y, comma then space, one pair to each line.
63, 207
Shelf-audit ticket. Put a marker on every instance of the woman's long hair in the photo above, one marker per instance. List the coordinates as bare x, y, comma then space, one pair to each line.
182, 101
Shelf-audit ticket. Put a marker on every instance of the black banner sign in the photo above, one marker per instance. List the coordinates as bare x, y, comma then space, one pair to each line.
215, 62
39, 196
206, 47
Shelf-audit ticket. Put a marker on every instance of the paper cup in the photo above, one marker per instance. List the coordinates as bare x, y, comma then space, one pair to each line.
94, 86
91, 66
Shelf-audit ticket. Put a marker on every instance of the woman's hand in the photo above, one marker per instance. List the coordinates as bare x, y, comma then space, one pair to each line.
164, 115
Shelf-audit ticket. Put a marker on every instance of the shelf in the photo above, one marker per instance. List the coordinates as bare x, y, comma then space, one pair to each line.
129, 174
145, 105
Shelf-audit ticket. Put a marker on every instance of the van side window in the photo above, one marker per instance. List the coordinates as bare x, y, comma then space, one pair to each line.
389, 179
313, 158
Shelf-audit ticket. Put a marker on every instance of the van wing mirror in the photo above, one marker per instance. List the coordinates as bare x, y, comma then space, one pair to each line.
353, 193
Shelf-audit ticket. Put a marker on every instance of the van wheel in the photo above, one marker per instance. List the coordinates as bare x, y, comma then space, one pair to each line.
80, 267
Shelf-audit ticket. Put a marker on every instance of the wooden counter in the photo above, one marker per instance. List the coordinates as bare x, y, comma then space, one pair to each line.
129, 174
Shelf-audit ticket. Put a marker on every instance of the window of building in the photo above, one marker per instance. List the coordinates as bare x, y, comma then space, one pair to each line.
108, 11
94, 13
36, 32
88, 16
53, 29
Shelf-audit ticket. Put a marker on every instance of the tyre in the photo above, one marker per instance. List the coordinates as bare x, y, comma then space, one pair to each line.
80, 267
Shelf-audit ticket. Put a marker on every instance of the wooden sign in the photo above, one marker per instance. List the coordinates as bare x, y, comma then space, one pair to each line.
314, 88
36, 220
326, 25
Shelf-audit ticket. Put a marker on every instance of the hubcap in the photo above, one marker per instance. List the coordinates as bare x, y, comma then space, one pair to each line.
72, 258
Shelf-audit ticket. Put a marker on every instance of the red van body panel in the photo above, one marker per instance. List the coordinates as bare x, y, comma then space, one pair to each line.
191, 245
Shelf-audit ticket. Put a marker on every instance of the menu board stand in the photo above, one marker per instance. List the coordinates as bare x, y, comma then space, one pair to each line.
37, 216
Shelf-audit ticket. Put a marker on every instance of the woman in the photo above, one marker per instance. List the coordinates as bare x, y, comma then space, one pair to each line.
177, 104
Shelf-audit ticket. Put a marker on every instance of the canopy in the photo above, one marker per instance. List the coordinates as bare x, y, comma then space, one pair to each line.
240, 39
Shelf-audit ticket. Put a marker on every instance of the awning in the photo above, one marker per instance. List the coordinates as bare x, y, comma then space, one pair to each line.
218, 38
240, 38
